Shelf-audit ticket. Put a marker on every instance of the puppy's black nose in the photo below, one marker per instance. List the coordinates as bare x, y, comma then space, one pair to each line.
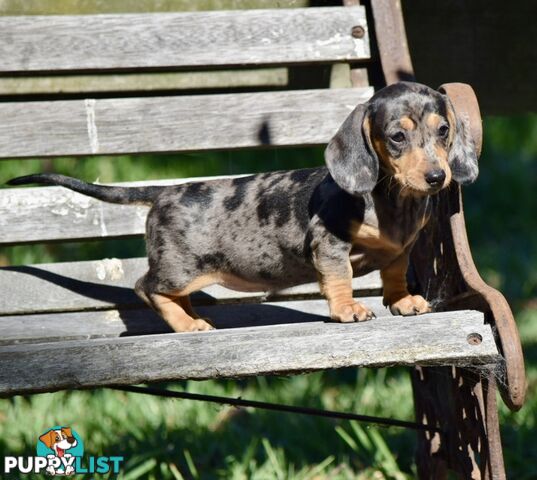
435, 177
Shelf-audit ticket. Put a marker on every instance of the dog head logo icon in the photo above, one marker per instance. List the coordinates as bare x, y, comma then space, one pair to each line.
60, 445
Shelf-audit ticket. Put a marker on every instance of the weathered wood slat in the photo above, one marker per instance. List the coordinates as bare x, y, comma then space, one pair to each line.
56, 213
169, 124
172, 40
108, 283
432, 339
143, 82
51, 327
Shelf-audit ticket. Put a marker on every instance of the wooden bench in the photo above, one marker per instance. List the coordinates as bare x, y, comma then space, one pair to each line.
79, 325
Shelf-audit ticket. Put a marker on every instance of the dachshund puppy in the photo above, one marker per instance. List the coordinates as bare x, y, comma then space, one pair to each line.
274, 230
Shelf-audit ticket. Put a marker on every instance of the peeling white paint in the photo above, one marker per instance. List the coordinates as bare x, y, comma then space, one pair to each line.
104, 230
141, 212
112, 316
60, 211
337, 39
81, 215
109, 269
58, 201
77, 201
100, 271
359, 47
93, 138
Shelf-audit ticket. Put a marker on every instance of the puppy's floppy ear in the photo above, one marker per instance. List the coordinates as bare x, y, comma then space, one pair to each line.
67, 431
462, 156
48, 438
350, 157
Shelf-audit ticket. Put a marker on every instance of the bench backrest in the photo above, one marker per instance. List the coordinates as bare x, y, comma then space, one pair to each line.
202, 44
145, 42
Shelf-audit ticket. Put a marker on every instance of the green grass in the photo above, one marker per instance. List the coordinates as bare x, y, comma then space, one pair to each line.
170, 439
200, 440
519, 429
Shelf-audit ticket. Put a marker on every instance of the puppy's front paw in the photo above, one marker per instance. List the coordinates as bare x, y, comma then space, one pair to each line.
353, 312
410, 305
199, 325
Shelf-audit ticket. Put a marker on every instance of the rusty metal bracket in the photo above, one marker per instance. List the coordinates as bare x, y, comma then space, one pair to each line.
513, 391
391, 41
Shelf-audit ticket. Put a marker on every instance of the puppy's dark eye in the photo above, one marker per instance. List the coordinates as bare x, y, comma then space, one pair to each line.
398, 137
443, 131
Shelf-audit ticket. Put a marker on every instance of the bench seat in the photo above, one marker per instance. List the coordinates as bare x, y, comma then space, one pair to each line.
50, 352
80, 325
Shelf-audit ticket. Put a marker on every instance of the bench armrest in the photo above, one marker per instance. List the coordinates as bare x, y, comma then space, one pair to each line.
444, 271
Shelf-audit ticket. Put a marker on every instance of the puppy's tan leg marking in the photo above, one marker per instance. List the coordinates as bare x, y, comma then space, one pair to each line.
175, 315
201, 282
396, 294
338, 290
174, 308
184, 302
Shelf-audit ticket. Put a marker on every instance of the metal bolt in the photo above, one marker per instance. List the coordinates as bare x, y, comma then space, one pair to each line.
358, 31
474, 339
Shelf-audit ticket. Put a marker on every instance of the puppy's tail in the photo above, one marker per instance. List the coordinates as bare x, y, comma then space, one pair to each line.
125, 195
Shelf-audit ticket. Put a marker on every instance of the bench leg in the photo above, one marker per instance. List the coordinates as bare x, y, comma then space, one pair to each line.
463, 404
